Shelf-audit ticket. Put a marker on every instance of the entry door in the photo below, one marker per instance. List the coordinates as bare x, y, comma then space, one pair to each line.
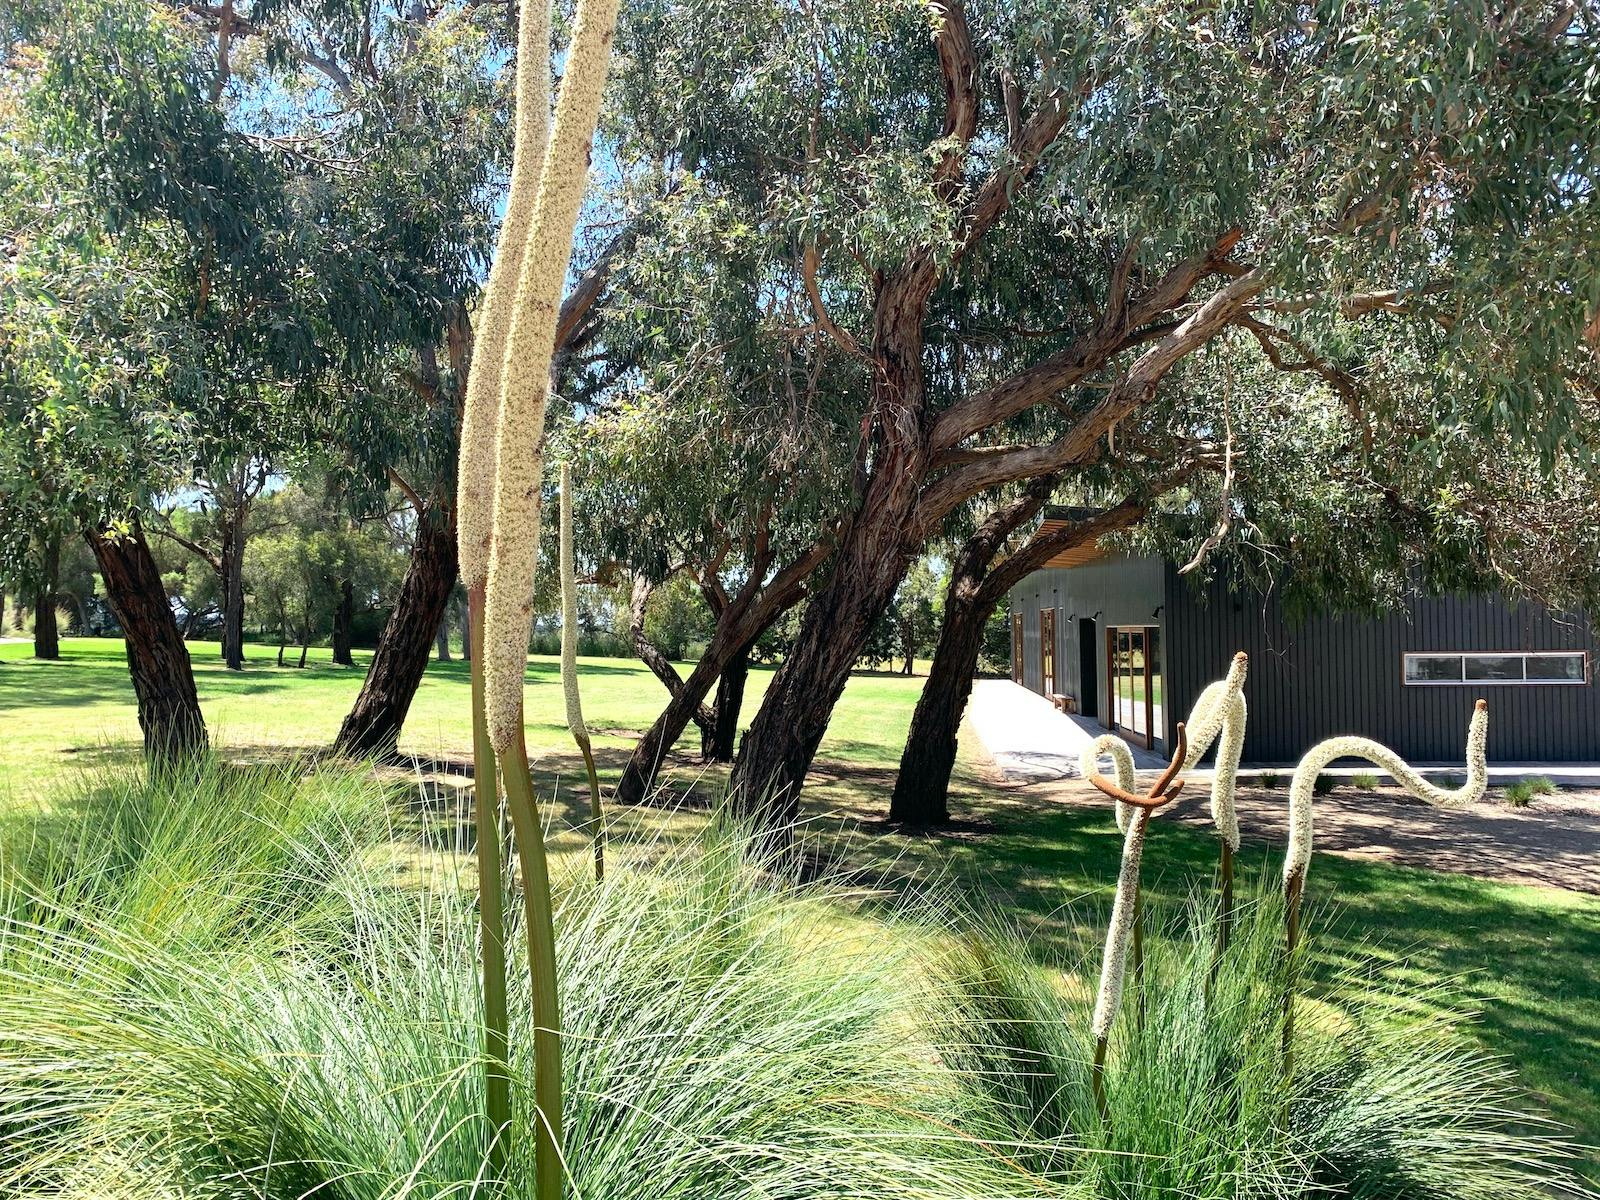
1047, 652
1133, 681
1016, 647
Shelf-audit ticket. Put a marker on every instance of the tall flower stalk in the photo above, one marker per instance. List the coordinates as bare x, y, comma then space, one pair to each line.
1221, 712
569, 672
1124, 934
474, 495
1297, 860
498, 517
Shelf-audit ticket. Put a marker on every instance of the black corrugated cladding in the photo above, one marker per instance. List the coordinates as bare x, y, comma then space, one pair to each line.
1345, 675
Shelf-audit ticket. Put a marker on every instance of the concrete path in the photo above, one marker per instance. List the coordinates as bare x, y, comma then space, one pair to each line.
1028, 738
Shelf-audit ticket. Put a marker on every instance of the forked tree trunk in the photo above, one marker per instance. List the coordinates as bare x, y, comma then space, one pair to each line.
783, 739
163, 679
374, 722
441, 640
977, 586
344, 618
46, 637
723, 742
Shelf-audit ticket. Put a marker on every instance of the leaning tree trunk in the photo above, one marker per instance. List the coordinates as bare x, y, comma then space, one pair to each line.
163, 679
373, 724
232, 580
46, 637
344, 619
921, 790
784, 737
721, 744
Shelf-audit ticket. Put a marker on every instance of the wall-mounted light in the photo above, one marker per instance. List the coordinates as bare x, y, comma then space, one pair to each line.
1096, 616
1157, 612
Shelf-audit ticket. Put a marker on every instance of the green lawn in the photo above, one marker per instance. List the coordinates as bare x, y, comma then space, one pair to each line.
1530, 955
57, 717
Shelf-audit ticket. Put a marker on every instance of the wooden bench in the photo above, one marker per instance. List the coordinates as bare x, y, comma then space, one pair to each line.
1067, 704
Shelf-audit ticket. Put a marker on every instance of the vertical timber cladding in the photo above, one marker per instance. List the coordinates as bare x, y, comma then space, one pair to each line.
1111, 591
1343, 674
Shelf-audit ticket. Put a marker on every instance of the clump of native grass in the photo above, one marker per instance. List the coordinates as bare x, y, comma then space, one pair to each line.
1197, 1103
729, 1032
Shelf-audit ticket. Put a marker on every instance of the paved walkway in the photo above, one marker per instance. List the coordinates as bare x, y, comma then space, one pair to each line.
1028, 738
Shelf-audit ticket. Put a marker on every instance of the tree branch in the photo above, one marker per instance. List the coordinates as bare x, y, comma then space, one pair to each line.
1078, 444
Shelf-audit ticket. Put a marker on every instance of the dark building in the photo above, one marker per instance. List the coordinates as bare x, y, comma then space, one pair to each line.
1130, 643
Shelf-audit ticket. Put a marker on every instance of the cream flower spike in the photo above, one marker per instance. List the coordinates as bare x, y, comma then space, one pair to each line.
1121, 763
1298, 860
525, 374
481, 412
1221, 711
1114, 962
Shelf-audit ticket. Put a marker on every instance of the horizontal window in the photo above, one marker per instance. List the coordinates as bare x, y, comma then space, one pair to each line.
1461, 669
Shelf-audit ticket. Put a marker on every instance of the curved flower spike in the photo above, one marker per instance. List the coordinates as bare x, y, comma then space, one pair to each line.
1298, 860
1221, 710
1121, 763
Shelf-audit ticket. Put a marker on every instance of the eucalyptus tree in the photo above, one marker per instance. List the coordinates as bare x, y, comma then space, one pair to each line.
317, 178
1030, 210
710, 443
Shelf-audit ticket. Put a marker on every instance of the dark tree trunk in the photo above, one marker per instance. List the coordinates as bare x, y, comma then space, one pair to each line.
163, 679
880, 542
723, 743
639, 775
46, 637
305, 644
373, 724
922, 789
660, 665
441, 640
283, 641
344, 616
464, 619
231, 577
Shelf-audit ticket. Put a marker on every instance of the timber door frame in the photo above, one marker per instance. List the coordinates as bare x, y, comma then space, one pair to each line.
1017, 649
1047, 652
1148, 736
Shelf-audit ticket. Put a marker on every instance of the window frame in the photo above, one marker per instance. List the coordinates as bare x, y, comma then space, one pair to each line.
1407, 655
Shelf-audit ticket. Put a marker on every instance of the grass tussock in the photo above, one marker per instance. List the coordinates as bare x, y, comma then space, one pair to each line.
218, 985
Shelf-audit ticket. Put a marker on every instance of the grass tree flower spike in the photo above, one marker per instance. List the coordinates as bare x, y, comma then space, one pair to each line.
1297, 859
480, 415
1123, 933
1121, 763
525, 373
1221, 712
569, 671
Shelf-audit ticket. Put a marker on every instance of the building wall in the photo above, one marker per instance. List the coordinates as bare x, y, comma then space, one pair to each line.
1122, 591
1344, 675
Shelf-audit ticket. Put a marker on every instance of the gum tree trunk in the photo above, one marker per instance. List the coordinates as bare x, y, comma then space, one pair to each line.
46, 637
723, 742
441, 640
344, 616
922, 788
232, 580
373, 724
163, 678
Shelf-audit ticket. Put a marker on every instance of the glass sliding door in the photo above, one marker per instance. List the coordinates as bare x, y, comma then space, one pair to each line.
1133, 681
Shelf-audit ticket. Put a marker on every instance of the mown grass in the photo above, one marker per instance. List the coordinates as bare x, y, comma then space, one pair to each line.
57, 716
1528, 954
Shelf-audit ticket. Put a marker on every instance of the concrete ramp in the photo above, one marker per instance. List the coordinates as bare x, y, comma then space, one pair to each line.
1029, 739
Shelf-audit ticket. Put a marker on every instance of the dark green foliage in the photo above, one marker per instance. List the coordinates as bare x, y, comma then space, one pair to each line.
1324, 784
